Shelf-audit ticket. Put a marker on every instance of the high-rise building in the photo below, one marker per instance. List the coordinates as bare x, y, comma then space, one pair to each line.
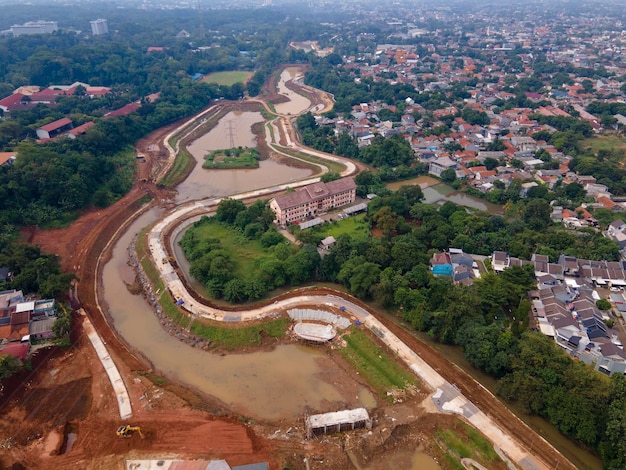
99, 26
34, 27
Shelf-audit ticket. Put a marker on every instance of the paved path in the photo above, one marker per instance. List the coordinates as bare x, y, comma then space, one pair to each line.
123, 400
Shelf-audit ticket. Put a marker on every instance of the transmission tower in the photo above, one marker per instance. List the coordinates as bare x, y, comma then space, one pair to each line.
231, 132
200, 20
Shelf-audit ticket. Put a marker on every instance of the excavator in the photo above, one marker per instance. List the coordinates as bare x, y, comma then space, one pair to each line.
126, 430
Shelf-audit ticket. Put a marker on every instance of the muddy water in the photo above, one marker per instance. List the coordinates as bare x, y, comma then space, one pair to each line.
422, 181
404, 460
265, 385
203, 183
435, 192
297, 103
420, 461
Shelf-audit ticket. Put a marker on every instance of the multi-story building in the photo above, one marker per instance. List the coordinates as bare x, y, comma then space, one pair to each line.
313, 200
99, 26
34, 27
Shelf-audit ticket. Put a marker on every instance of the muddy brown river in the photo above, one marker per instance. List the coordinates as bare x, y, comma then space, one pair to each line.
283, 383
266, 385
202, 183
297, 103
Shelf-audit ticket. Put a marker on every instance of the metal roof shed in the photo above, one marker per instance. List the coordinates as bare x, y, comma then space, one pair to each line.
310, 223
253, 466
337, 421
356, 208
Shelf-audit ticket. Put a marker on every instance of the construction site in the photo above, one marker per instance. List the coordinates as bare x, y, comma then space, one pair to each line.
67, 411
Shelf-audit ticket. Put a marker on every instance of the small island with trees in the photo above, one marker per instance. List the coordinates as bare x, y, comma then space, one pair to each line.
239, 157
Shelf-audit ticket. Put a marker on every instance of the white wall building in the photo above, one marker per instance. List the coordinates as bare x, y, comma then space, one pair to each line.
99, 26
34, 27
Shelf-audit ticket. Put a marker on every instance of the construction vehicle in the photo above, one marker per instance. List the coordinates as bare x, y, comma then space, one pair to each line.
126, 430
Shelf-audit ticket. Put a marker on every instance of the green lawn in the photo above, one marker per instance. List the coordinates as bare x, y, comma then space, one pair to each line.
243, 250
227, 78
233, 338
379, 367
355, 226
334, 167
466, 442
241, 157
605, 142
179, 168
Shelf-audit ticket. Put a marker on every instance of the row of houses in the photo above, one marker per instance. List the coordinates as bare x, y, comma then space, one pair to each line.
455, 264
29, 96
564, 305
22, 319
63, 126
570, 316
596, 273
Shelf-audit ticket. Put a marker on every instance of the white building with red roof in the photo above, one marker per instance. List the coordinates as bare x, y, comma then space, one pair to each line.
54, 128
12, 102
73, 133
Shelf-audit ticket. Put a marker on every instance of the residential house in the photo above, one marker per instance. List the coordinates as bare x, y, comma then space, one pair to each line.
7, 158
30, 319
616, 231
14, 102
5, 274
16, 349
500, 261
124, 110
73, 133
326, 244
436, 167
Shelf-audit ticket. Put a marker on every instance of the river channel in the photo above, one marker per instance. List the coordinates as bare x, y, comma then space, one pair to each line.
203, 183
267, 385
281, 383
297, 103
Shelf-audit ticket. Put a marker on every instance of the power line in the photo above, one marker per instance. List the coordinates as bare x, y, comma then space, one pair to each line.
231, 132
200, 20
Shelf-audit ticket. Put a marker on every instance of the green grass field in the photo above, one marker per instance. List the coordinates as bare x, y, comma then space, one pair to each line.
379, 367
243, 250
227, 78
233, 338
232, 158
355, 226
466, 442
605, 142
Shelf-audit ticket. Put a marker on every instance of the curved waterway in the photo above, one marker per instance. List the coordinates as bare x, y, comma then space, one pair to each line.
203, 183
267, 385
297, 103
